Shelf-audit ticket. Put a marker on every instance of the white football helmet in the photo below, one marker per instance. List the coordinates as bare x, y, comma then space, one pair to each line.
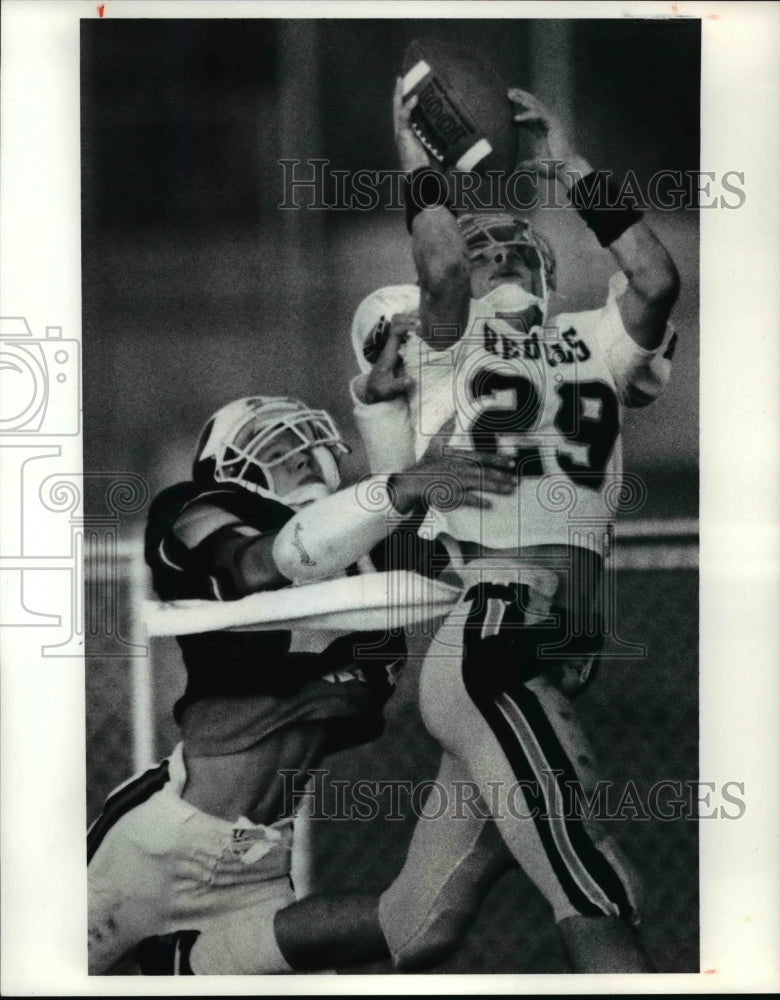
488, 234
238, 433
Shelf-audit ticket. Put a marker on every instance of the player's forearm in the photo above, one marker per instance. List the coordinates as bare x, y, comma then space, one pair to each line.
331, 534
573, 167
652, 277
647, 264
385, 428
256, 569
439, 251
437, 245
653, 280
642, 257
444, 273
440, 254
239, 566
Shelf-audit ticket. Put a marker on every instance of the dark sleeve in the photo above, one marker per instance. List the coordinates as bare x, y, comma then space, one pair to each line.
236, 564
220, 566
405, 549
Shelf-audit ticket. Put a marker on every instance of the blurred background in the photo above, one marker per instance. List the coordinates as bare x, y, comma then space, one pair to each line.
198, 289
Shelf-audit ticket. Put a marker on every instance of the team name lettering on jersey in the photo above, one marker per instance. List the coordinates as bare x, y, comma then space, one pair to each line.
534, 347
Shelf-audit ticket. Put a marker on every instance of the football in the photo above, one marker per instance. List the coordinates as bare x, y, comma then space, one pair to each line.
463, 115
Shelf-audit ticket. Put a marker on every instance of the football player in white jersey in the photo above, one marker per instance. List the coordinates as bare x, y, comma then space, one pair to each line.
471, 360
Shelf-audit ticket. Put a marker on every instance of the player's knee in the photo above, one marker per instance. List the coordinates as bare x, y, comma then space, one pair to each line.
114, 926
246, 947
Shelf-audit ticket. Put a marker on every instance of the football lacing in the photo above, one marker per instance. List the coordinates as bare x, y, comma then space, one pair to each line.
427, 143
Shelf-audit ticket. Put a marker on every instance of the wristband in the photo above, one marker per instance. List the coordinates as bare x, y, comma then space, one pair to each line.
602, 213
424, 188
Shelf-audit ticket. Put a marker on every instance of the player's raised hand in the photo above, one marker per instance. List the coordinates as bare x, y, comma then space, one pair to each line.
555, 158
411, 152
388, 378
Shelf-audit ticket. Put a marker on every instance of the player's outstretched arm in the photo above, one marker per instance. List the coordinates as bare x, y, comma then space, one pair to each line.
331, 534
653, 284
437, 244
653, 281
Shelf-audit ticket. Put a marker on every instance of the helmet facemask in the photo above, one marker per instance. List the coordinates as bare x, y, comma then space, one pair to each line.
495, 239
242, 433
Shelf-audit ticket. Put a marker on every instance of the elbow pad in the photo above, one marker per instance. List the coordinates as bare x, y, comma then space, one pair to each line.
641, 375
331, 534
385, 428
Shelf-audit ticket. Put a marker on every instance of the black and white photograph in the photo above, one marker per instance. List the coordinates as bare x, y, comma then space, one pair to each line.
373, 499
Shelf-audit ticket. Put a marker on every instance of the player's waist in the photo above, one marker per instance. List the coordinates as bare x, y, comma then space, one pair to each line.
549, 570
519, 523
527, 555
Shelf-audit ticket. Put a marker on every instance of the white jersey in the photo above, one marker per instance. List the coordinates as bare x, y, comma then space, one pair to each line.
549, 395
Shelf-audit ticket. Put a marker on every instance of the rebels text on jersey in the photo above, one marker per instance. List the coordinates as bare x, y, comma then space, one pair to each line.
550, 396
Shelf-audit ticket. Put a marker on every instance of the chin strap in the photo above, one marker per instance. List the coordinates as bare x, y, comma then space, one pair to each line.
304, 495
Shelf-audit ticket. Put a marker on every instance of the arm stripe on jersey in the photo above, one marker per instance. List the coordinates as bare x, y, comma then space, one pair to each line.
165, 558
531, 746
129, 795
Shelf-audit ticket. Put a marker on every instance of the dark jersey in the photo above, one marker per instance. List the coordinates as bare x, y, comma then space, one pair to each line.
242, 686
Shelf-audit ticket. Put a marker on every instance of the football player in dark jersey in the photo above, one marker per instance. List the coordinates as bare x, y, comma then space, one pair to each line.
192, 859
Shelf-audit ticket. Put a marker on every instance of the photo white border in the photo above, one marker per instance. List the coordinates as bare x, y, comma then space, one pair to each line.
42, 779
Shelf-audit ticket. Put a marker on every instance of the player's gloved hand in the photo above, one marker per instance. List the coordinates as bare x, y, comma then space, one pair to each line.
555, 158
388, 378
411, 152
448, 480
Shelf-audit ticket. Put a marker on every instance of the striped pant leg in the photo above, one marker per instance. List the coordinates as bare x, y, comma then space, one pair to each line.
522, 744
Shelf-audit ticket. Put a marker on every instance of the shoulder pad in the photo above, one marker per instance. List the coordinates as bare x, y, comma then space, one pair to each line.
164, 510
259, 512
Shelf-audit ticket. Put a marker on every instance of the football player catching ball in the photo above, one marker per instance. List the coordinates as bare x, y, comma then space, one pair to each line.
470, 360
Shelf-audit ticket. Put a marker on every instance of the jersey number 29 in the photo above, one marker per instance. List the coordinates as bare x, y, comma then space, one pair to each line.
587, 415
